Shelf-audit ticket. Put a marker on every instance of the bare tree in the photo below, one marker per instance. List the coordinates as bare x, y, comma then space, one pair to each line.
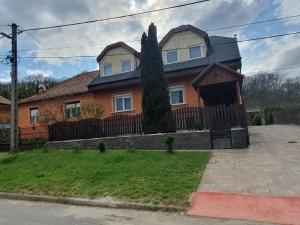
268, 90
91, 109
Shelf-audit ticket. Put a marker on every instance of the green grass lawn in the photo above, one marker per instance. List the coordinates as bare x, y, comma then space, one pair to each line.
155, 177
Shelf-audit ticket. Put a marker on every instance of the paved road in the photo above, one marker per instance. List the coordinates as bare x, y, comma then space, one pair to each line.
270, 167
33, 213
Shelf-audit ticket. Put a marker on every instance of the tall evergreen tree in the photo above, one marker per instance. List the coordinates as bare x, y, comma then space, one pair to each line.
155, 101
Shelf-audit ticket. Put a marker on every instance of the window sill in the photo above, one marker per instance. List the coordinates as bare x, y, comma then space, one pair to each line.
179, 104
196, 58
72, 118
123, 112
171, 63
126, 71
107, 75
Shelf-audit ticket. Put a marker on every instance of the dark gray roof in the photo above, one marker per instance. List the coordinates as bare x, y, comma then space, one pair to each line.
223, 49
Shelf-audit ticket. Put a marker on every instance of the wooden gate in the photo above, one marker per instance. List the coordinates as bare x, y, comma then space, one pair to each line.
220, 119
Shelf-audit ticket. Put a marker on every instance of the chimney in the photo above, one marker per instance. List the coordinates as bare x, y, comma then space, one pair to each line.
41, 88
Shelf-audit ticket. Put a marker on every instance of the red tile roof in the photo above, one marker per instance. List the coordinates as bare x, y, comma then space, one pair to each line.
74, 85
4, 101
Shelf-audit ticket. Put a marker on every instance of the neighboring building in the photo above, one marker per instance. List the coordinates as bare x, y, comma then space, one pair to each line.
201, 70
4, 110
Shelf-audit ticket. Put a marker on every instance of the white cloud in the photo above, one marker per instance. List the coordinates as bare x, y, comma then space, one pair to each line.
5, 76
260, 55
205, 15
35, 72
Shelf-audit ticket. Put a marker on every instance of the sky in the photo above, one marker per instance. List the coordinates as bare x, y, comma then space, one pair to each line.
280, 55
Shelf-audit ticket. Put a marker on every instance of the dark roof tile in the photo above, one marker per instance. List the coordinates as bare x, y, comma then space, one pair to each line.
223, 49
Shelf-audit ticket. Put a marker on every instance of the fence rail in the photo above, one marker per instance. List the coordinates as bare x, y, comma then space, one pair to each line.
188, 118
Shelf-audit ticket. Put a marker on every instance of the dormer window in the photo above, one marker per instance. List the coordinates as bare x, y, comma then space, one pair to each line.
195, 52
107, 70
172, 56
125, 66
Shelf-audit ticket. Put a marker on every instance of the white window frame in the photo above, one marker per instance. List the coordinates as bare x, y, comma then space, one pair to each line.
68, 106
104, 69
166, 55
123, 96
122, 66
201, 51
176, 88
37, 115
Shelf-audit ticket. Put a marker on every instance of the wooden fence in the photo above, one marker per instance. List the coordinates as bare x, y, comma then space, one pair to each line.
287, 116
188, 118
27, 139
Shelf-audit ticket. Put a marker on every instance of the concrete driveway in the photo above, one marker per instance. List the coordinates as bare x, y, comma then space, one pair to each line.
271, 166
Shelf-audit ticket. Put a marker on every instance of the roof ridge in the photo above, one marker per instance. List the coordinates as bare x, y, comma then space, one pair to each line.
4, 100
61, 84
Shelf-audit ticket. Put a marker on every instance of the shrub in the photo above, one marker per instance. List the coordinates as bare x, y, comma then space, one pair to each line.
102, 146
256, 120
76, 147
169, 141
129, 145
46, 149
268, 116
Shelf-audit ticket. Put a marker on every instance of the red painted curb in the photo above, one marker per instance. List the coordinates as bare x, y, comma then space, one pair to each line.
274, 209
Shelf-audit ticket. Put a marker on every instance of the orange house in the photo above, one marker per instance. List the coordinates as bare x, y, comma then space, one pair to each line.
4, 110
194, 63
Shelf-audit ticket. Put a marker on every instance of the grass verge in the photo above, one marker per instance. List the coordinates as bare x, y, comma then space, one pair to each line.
146, 177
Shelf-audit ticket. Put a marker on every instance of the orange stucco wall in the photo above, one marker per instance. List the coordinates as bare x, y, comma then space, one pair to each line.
4, 113
103, 97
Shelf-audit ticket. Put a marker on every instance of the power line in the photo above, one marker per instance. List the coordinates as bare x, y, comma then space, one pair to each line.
117, 17
257, 22
224, 43
138, 40
275, 69
268, 37
37, 40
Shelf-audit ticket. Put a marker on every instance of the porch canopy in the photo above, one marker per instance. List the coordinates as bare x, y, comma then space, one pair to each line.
218, 84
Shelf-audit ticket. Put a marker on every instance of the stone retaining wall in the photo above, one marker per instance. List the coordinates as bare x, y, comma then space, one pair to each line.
191, 140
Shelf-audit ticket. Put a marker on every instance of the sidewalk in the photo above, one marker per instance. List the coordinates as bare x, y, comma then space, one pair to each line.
283, 210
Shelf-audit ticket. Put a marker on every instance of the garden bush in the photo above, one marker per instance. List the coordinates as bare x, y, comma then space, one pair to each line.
129, 145
256, 120
169, 141
45, 148
102, 146
268, 115
76, 147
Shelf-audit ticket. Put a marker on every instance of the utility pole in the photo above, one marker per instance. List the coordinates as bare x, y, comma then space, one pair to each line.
14, 91
14, 88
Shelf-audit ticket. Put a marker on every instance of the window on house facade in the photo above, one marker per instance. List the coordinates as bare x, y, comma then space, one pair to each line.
125, 65
34, 113
107, 70
123, 103
195, 52
176, 95
172, 56
72, 110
